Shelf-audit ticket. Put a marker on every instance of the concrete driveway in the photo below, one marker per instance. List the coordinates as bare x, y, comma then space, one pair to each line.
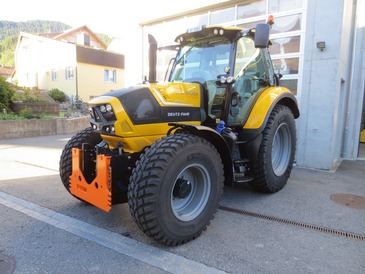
316, 224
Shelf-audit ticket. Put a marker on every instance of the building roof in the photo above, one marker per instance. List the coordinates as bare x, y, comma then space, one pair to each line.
49, 34
84, 28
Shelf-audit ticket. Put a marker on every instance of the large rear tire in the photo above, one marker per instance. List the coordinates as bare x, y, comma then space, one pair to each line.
276, 153
85, 136
175, 187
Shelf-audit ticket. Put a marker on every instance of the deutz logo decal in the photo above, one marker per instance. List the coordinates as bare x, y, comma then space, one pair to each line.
178, 114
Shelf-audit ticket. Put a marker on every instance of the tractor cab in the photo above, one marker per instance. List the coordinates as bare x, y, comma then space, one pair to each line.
231, 64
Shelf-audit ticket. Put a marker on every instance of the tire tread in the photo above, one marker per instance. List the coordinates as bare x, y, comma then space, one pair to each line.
144, 182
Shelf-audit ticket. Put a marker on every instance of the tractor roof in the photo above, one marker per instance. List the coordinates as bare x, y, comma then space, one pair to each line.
230, 33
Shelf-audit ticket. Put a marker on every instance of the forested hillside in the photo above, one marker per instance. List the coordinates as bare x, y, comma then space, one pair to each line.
9, 32
8, 28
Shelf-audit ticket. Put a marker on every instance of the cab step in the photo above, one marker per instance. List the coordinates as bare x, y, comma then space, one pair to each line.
241, 178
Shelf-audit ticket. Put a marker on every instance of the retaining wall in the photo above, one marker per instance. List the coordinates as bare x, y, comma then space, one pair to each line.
44, 108
36, 127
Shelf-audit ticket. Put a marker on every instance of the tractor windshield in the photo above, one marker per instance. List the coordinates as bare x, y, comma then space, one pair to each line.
201, 62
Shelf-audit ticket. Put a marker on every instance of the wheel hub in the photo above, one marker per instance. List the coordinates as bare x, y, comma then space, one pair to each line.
182, 188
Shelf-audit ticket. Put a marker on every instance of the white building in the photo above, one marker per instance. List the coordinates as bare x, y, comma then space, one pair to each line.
318, 45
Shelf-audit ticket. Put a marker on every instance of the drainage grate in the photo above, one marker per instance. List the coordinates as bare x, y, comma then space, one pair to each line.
295, 223
7, 264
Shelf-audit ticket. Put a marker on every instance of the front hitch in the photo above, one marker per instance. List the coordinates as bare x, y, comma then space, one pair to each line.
98, 192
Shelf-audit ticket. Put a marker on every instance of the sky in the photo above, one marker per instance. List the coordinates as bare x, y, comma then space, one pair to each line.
100, 16
111, 17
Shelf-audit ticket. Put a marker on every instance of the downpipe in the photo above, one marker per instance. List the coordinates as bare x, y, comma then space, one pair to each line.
346, 133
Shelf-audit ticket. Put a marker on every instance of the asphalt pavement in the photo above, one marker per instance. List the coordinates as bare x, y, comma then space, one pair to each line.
316, 224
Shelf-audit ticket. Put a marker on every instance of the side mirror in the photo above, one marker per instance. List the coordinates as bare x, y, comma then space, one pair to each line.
262, 33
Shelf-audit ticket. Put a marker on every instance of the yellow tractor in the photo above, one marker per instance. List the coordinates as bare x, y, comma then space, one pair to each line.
168, 148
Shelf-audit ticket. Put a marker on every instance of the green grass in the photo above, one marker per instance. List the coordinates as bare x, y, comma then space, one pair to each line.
13, 116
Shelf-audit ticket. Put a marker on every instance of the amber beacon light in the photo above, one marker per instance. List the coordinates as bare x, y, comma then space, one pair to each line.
270, 20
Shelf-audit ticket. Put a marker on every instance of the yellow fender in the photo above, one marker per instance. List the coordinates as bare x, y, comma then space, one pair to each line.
266, 102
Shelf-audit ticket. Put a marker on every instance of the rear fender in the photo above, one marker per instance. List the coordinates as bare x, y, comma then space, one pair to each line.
256, 123
265, 104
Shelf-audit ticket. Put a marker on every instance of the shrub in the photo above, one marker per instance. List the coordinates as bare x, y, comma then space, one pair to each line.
28, 113
7, 90
28, 96
57, 95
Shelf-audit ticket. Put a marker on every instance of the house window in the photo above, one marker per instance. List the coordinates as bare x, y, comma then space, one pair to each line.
69, 73
83, 39
86, 40
110, 76
54, 75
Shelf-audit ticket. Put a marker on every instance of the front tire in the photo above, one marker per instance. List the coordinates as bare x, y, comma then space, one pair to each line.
85, 136
175, 187
276, 153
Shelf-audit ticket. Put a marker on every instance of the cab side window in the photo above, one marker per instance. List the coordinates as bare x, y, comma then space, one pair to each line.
248, 67
249, 70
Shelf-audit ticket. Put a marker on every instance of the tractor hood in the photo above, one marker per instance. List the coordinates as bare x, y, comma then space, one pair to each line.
145, 110
166, 94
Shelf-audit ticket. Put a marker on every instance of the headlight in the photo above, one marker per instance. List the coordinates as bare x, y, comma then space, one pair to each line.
103, 113
103, 109
223, 79
108, 108
230, 79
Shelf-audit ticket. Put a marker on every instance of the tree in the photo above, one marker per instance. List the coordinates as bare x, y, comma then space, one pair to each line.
105, 38
7, 47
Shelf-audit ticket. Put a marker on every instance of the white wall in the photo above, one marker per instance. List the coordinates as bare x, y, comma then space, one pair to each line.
328, 88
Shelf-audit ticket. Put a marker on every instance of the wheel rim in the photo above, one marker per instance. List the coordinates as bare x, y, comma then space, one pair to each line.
190, 193
281, 149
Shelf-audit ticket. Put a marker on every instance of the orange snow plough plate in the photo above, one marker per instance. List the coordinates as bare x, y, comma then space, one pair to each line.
98, 192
